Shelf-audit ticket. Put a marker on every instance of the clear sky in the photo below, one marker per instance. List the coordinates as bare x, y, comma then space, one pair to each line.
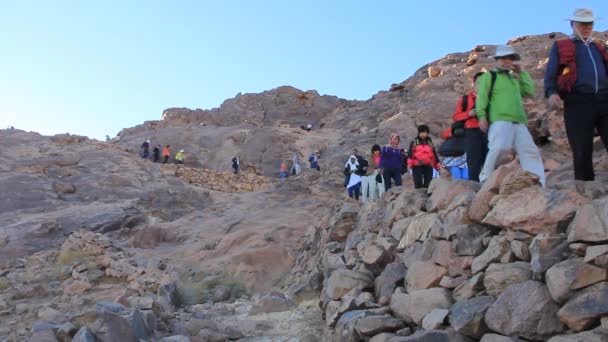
95, 67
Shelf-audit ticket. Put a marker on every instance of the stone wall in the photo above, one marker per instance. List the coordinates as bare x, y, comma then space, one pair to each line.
246, 181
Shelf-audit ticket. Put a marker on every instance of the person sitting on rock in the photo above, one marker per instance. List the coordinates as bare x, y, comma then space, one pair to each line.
423, 158
577, 73
391, 162
236, 164
179, 157
156, 153
166, 153
283, 170
507, 119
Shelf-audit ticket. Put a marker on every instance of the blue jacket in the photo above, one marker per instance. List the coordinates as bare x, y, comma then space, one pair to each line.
591, 70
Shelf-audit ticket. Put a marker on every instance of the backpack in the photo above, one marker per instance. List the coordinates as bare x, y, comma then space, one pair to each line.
453, 147
567, 73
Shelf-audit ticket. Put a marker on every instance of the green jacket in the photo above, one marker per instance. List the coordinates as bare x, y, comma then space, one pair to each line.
179, 156
507, 103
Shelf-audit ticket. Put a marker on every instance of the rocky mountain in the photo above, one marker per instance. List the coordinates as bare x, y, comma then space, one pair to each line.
97, 244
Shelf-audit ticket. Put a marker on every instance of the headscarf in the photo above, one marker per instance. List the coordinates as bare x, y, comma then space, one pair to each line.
393, 141
352, 165
354, 178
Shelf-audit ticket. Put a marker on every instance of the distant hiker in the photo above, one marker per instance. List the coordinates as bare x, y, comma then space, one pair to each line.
354, 170
156, 153
313, 159
166, 153
179, 157
500, 106
391, 162
423, 158
296, 167
309, 127
107, 138
236, 164
457, 166
144, 150
577, 74
466, 124
283, 170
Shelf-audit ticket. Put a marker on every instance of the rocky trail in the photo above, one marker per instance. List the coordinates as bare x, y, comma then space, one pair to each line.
97, 244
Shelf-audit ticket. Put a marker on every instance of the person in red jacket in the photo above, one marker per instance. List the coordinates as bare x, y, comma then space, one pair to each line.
475, 141
423, 158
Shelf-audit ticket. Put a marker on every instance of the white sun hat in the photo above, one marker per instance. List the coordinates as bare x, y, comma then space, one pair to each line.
506, 50
583, 15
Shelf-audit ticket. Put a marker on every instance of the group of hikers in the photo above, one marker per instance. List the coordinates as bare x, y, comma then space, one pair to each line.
296, 167
490, 122
144, 152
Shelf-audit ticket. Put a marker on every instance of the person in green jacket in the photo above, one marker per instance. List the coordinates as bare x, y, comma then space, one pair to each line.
507, 119
179, 157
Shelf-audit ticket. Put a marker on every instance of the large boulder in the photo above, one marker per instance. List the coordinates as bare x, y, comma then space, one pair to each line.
544, 211
412, 307
564, 278
591, 222
499, 276
106, 326
467, 317
385, 284
419, 228
424, 275
468, 239
586, 307
546, 251
597, 335
498, 247
444, 191
344, 222
373, 325
342, 281
469, 288
525, 309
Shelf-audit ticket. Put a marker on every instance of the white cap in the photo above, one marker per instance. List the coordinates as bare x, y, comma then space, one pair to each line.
181, 150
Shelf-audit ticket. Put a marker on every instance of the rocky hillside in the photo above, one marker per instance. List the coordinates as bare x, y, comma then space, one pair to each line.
97, 244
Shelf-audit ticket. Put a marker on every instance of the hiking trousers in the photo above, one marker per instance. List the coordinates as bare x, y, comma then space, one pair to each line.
583, 114
422, 174
505, 136
391, 174
370, 189
476, 148
353, 191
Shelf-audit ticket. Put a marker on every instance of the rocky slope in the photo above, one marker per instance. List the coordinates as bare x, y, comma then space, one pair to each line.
98, 244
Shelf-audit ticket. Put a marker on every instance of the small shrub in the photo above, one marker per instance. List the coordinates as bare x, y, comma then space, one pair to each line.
4, 284
71, 256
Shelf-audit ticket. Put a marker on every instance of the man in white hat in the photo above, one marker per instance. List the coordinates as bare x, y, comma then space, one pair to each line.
499, 105
577, 75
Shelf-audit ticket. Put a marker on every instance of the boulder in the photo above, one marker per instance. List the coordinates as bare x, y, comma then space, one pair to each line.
419, 251
468, 239
412, 307
434, 319
573, 274
586, 307
451, 283
596, 335
382, 337
344, 222
480, 206
373, 325
385, 284
346, 327
434, 71
444, 191
106, 326
43, 336
469, 288
342, 281
442, 253
432, 336
520, 250
498, 338
525, 309
544, 212
274, 301
460, 265
593, 252
518, 180
498, 247
467, 317
424, 275
546, 251
499, 276
166, 297
419, 228
590, 223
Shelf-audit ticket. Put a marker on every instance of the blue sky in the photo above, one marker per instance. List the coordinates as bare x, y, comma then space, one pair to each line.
94, 67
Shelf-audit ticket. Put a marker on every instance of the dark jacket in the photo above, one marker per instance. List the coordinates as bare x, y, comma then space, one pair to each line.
588, 58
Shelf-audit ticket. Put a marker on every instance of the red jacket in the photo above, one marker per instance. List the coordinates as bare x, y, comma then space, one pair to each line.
422, 153
463, 115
